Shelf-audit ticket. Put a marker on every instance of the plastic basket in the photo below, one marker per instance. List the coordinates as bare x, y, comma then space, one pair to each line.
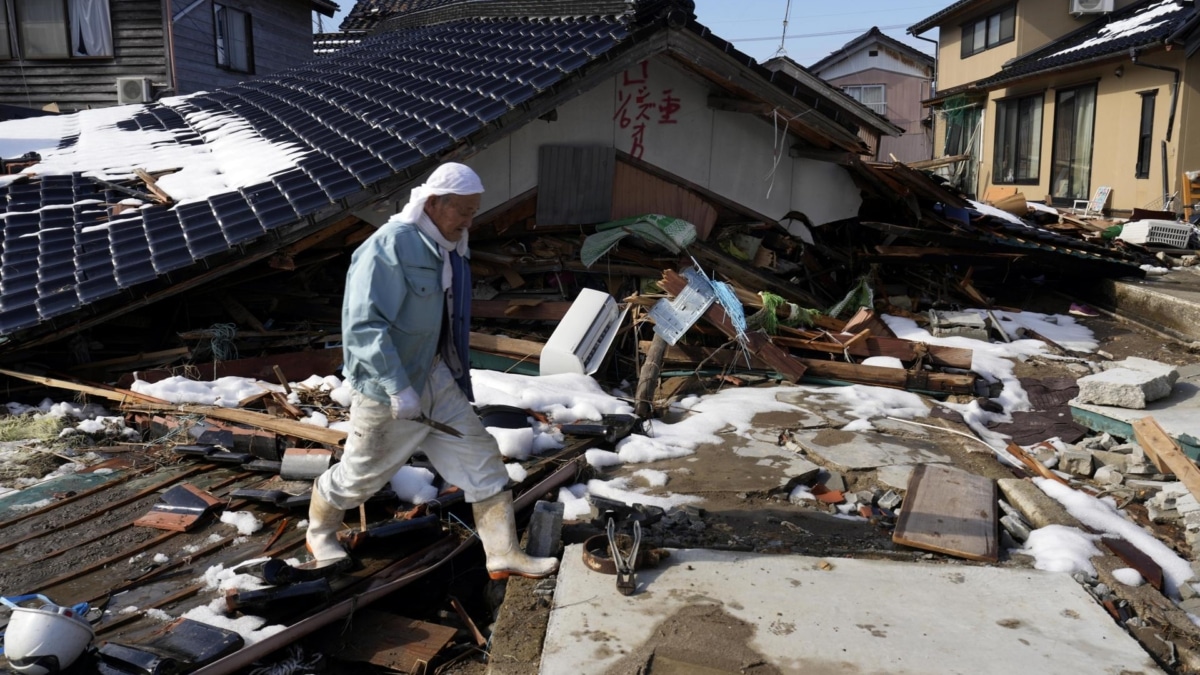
1158, 232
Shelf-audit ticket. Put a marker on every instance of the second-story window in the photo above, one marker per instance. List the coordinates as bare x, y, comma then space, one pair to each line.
234, 46
874, 96
1018, 140
55, 29
987, 32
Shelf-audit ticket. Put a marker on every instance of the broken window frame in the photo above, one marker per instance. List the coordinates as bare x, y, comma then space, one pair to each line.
75, 29
858, 92
233, 54
989, 32
1017, 149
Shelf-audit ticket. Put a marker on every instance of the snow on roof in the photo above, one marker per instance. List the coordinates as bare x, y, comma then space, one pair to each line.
1147, 19
109, 145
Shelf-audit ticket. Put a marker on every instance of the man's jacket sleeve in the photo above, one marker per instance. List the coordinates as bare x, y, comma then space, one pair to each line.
375, 289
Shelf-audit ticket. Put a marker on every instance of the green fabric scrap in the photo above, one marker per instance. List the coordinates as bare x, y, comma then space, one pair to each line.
673, 234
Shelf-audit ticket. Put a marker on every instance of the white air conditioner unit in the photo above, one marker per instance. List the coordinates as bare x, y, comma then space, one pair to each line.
1091, 6
582, 338
134, 90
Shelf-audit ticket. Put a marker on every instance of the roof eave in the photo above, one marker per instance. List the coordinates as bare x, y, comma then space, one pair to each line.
325, 7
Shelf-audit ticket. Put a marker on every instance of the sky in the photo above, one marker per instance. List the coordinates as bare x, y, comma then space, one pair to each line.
815, 29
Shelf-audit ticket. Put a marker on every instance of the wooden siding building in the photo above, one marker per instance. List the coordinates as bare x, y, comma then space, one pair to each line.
151, 48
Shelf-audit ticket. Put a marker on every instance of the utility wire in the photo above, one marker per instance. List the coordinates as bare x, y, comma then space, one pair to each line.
808, 35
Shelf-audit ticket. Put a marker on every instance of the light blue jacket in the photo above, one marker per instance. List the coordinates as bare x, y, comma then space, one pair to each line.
392, 312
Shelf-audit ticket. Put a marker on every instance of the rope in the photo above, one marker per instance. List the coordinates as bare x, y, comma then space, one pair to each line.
221, 344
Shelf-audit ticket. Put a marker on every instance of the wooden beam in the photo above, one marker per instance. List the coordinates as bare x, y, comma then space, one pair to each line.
1166, 453
91, 389
249, 418
738, 105
499, 344
548, 310
152, 186
889, 377
839, 157
749, 277
940, 161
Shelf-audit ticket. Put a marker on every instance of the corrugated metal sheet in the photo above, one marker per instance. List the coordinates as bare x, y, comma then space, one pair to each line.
636, 192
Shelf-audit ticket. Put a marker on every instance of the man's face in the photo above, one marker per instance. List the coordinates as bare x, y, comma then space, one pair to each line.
452, 213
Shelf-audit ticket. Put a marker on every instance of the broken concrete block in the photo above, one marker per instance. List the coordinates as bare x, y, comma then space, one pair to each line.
1047, 456
1123, 448
1019, 530
1142, 468
836, 481
867, 497
889, 500
1038, 508
1161, 515
1190, 606
1123, 388
1187, 592
1108, 458
1186, 504
1076, 462
1156, 368
1102, 442
1108, 475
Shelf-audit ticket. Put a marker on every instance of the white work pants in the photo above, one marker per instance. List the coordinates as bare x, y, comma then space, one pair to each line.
378, 446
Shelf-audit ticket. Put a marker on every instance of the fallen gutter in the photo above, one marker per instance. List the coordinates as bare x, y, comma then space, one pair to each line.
386, 581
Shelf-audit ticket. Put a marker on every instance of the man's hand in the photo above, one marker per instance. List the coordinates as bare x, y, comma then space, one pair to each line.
406, 405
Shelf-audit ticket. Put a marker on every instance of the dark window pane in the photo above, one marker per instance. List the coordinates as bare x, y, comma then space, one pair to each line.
993, 29
968, 40
5, 43
1008, 20
43, 29
980, 36
1145, 136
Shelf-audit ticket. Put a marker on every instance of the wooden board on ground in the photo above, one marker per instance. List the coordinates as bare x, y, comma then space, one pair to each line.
1166, 453
950, 511
387, 640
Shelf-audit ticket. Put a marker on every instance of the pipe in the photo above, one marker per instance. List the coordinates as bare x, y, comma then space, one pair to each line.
1133, 57
936, 46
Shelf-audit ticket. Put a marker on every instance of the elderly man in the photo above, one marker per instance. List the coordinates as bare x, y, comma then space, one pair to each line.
405, 330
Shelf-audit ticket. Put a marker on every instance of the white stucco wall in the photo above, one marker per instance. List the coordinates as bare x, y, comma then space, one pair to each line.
731, 154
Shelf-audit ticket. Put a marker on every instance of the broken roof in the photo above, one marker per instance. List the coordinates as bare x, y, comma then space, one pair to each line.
253, 167
1141, 25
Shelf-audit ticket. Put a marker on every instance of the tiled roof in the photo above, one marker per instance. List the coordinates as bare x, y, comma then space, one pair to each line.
1139, 25
934, 19
355, 118
325, 44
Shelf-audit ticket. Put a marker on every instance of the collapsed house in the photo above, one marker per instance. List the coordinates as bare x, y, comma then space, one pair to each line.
212, 232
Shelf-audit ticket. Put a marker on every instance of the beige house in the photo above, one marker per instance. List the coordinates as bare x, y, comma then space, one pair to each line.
1062, 97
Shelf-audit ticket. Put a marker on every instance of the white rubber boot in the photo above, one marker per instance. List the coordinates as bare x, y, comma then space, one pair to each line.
324, 521
497, 527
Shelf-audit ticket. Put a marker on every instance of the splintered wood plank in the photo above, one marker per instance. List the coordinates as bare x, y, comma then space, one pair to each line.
388, 640
950, 511
1166, 453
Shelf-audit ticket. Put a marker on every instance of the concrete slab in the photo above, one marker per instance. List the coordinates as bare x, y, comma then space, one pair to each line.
1178, 413
720, 612
895, 476
858, 450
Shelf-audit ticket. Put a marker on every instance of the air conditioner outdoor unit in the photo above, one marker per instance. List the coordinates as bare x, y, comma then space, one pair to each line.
583, 337
1091, 6
134, 90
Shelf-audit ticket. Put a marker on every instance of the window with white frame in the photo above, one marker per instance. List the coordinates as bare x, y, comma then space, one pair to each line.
55, 29
232, 28
874, 96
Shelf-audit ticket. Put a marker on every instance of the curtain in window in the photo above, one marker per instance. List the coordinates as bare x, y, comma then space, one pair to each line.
43, 29
873, 98
1073, 119
91, 32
